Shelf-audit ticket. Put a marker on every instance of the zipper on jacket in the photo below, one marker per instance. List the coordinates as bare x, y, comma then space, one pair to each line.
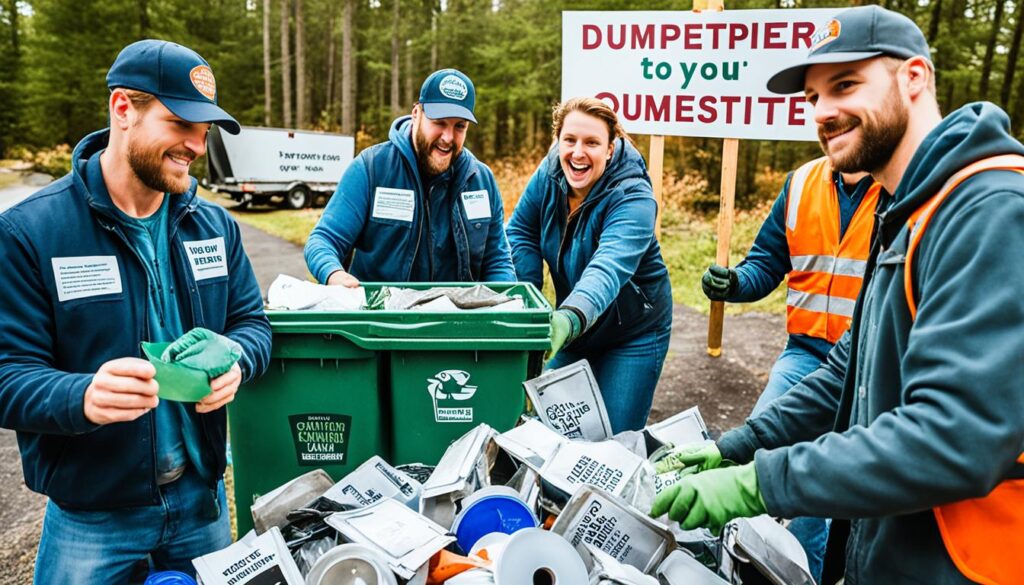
153, 488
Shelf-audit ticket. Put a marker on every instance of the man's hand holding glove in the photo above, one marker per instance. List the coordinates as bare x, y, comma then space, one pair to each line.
214, 354
566, 325
719, 282
712, 498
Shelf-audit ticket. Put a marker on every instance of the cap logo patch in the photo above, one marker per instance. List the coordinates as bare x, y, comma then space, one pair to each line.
202, 79
454, 88
826, 35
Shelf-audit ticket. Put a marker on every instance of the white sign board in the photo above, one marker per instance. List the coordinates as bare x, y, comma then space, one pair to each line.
692, 74
282, 156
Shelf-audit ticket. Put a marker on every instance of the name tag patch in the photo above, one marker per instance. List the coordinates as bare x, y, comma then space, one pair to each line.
86, 276
477, 204
208, 258
391, 203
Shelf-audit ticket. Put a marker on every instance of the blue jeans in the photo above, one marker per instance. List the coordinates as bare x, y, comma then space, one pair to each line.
83, 547
793, 364
627, 375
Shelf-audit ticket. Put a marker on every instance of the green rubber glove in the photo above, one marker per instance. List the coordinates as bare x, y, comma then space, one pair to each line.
719, 282
204, 350
690, 458
565, 327
712, 498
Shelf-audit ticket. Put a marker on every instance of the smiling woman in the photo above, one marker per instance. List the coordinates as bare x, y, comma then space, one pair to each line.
589, 212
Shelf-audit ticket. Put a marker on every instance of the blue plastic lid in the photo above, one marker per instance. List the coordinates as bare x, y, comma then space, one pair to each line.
491, 513
169, 578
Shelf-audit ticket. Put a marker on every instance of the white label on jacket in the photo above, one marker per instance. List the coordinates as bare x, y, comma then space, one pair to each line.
477, 204
86, 276
208, 258
391, 203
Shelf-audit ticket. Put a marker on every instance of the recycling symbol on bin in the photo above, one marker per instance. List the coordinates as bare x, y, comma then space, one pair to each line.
450, 385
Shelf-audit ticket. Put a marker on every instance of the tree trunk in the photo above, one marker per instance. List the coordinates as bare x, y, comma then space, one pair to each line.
12, 7
143, 17
301, 95
286, 65
396, 99
933, 25
1011, 58
410, 77
433, 41
332, 49
348, 87
268, 87
990, 50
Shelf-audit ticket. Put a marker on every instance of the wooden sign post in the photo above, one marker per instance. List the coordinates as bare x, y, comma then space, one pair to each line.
656, 170
726, 215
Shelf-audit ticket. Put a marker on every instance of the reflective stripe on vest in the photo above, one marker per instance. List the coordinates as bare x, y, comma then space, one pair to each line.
983, 536
827, 272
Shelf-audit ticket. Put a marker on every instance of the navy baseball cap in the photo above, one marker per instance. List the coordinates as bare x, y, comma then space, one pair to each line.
176, 75
855, 34
448, 93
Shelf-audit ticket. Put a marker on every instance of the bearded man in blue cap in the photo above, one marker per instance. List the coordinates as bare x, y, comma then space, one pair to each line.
911, 429
419, 207
118, 252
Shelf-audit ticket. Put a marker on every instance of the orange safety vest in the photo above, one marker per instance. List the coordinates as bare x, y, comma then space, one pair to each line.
827, 271
984, 536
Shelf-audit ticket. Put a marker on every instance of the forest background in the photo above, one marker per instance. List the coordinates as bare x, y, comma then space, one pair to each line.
352, 66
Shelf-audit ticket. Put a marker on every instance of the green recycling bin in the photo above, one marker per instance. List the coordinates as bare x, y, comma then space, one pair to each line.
317, 406
345, 386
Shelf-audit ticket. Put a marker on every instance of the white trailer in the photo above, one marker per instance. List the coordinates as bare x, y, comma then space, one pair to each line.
295, 168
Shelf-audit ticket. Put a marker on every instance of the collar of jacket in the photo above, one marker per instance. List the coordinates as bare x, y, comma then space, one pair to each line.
626, 163
100, 203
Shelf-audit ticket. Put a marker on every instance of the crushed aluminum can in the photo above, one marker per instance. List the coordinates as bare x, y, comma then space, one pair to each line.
463, 469
569, 401
679, 568
272, 508
604, 570
404, 538
254, 559
373, 480
681, 429
532, 443
766, 546
596, 517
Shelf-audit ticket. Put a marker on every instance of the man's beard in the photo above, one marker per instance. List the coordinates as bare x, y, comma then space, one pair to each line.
878, 141
423, 150
148, 167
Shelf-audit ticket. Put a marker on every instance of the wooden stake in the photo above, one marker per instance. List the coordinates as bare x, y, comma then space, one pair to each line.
656, 170
726, 214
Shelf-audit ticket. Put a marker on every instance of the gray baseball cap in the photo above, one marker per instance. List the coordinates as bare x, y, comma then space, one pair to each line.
855, 34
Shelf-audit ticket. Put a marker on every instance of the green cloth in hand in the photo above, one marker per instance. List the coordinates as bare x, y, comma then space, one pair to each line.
711, 499
702, 456
204, 350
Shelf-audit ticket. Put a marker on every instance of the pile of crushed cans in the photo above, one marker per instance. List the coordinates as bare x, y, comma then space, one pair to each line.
556, 500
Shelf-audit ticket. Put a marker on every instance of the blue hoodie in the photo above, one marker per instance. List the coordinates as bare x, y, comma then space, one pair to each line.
606, 262
55, 333
382, 213
926, 411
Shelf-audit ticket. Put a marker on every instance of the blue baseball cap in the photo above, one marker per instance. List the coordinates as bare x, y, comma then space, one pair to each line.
853, 35
175, 75
448, 93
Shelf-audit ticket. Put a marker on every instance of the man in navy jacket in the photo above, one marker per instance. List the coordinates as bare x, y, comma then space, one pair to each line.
419, 207
117, 252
